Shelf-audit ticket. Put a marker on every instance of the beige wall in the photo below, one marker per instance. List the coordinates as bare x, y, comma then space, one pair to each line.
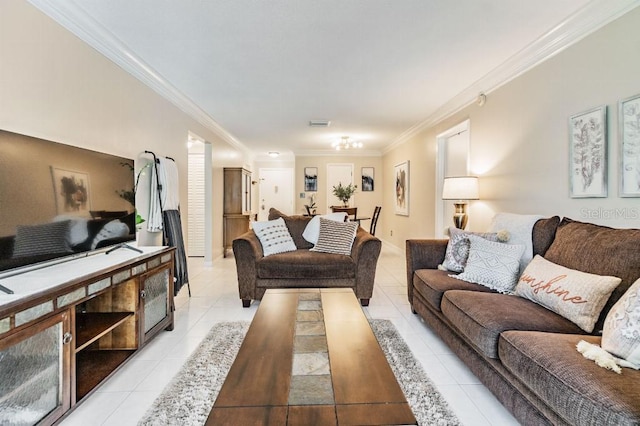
56, 87
365, 201
519, 139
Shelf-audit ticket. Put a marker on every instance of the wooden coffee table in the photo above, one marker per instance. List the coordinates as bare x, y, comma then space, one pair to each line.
310, 358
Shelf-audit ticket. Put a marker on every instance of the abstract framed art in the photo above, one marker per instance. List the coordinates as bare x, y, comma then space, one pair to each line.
629, 134
402, 188
310, 179
367, 179
588, 153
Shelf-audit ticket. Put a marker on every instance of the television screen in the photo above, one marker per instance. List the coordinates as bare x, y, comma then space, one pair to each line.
58, 201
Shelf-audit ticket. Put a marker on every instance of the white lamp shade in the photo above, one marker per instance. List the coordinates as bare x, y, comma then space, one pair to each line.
460, 188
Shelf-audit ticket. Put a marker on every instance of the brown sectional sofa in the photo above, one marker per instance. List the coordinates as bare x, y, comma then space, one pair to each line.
304, 268
525, 354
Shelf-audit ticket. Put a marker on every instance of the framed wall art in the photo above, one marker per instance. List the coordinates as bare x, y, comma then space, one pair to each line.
402, 188
71, 191
588, 153
310, 179
367, 179
629, 134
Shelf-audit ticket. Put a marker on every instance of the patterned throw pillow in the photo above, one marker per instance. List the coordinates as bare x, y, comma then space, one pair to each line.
312, 230
494, 265
576, 295
457, 252
274, 237
336, 237
621, 333
46, 238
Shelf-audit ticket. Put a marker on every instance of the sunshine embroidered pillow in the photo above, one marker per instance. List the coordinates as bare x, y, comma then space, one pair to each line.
577, 296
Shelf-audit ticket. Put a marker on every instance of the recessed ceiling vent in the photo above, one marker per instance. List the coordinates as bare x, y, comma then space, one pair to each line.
319, 123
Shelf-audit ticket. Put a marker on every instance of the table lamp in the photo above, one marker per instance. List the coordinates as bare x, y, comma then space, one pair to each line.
461, 189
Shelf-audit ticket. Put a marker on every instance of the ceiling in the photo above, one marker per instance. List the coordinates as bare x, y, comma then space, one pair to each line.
259, 71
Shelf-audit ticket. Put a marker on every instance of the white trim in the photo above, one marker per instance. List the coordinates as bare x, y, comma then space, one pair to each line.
72, 17
587, 20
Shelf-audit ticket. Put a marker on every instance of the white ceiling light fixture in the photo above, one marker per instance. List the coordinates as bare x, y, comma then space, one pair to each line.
346, 143
274, 154
319, 123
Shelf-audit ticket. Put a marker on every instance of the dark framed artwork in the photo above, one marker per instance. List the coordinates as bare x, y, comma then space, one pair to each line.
629, 134
402, 188
367, 179
310, 179
588, 153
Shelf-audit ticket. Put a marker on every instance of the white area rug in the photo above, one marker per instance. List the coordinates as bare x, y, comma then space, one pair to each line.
188, 399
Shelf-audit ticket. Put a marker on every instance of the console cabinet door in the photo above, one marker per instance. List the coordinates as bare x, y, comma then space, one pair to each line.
155, 289
35, 372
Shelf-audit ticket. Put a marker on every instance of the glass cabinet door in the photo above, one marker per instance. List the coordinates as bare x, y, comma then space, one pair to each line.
155, 289
34, 373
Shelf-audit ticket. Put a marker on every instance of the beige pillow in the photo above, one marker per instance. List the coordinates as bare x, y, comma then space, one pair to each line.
577, 296
621, 334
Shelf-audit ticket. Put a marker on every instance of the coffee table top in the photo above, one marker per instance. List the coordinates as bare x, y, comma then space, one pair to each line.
310, 357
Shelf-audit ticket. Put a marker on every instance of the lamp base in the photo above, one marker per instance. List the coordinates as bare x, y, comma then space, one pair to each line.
460, 216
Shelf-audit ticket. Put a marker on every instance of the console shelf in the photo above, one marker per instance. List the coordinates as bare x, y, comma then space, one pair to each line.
91, 326
92, 367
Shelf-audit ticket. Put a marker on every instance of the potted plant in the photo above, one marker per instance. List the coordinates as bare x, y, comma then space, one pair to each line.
344, 193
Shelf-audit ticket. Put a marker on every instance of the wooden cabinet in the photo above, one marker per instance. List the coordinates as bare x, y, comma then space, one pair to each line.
237, 204
58, 345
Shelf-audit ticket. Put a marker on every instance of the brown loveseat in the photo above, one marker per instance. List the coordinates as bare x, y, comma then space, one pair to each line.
304, 268
525, 354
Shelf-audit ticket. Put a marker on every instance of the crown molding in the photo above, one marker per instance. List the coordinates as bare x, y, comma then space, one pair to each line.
72, 17
359, 152
587, 20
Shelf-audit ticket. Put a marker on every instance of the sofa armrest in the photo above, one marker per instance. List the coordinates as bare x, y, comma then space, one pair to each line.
247, 250
365, 252
423, 254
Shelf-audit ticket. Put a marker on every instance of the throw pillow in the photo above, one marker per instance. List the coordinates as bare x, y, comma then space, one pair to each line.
46, 238
520, 226
457, 252
312, 230
274, 237
621, 333
576, 295
492, 264
336, 237
113, 229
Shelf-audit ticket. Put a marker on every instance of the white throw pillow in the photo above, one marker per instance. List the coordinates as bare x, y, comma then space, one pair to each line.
621, 333
576, 295
336, 237
492, 264
520, 227
312, 230
274, 236
113, 229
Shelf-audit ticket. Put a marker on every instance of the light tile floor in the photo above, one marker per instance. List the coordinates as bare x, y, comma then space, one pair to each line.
123, 399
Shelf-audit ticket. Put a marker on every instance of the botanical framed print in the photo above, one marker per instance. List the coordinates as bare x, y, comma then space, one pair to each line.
629, 134
310, 179
367, 179
71, 191
402, 188
588, 153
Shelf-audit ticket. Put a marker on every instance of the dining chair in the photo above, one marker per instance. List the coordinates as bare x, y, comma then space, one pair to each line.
374, 220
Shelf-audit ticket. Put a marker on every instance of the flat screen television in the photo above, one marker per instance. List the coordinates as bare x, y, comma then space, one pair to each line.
58, 202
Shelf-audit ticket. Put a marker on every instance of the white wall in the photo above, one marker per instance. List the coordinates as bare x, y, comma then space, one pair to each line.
519, 139
54, 86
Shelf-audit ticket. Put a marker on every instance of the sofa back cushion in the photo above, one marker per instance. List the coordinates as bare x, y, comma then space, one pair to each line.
295, 224
544, 231
598, 250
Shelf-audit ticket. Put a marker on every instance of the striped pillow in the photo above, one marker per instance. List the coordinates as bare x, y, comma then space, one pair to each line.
336, 237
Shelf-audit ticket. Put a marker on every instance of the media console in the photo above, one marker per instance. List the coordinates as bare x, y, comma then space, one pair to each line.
69, 326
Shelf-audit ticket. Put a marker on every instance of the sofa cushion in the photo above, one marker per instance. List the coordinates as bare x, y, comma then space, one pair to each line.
621, 333
432, 283
544, 231
573, 386
481, 317
492, 264
577, 296
598, 250
295, 224
301, 264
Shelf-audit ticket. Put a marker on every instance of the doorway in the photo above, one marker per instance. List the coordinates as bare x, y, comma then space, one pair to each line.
199, 200
452, 160
275, 190
338, 173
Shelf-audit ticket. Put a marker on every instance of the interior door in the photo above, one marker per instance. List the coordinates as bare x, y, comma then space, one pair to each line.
338, 173
276, 190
